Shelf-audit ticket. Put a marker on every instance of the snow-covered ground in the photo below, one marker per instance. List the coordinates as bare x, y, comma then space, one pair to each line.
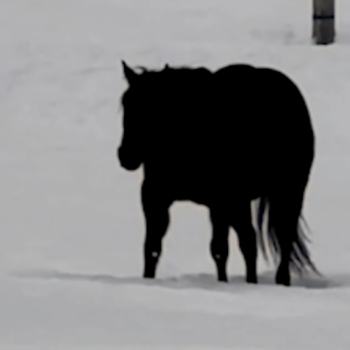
71, 226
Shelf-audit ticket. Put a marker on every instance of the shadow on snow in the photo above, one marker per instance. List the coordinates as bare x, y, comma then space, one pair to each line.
203, 281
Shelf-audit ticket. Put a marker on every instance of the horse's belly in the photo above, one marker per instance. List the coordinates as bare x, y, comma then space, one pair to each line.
197, 189
202, 185
205, 195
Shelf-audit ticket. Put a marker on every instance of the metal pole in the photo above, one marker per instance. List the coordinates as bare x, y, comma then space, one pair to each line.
323, 31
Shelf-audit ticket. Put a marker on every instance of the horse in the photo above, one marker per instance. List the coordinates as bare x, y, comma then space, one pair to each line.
222, 139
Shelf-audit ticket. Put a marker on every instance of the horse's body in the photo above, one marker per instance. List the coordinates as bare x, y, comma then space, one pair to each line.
221, 140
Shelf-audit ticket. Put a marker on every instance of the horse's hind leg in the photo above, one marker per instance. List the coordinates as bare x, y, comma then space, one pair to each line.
286, 231
156, 212
284, 217
241, 222
219, 242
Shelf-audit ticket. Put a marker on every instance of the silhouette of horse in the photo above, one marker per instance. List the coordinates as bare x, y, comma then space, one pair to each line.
222, 139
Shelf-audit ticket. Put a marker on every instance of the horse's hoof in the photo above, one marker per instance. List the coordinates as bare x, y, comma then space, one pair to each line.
252, 280
283, 281
283, 284
149, 274
223, 279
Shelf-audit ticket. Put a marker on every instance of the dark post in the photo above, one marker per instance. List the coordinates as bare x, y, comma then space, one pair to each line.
323, 21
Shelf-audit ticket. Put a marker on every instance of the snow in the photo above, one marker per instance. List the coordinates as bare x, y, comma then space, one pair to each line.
71, 221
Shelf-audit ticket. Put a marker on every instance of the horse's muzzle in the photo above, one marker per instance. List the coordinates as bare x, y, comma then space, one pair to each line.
127, 161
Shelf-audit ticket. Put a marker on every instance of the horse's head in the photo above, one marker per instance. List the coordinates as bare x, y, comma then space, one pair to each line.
130, 152
143, 102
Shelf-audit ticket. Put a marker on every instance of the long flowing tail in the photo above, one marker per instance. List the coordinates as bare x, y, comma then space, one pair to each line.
300, 260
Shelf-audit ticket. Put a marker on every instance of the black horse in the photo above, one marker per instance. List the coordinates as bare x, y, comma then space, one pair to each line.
222, 139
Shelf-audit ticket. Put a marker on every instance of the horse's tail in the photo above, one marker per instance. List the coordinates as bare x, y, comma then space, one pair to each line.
300, 260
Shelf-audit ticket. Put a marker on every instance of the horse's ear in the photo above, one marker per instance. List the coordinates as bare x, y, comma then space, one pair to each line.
129, 74
166, 66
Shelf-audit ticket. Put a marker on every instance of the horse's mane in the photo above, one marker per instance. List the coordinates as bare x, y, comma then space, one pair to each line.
168, 76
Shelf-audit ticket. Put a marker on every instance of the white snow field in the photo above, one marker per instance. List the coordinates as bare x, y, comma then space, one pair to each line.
71, 225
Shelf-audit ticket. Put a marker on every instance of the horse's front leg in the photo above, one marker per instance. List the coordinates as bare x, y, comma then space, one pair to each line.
156, 212
219, 244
